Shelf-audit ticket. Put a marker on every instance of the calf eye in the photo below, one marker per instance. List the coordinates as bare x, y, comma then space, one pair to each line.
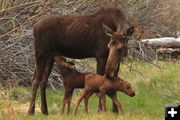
128, 87
123, 36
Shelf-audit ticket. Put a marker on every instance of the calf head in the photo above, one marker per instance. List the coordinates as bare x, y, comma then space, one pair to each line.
117, 51
125, 87
61, 61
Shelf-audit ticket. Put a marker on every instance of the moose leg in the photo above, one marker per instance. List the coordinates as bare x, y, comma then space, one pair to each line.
116, 101
81, 96
86, 98
66, 94
103, 100
43, 84
69, 100
101, 63
114, 107
63, 104
37, 77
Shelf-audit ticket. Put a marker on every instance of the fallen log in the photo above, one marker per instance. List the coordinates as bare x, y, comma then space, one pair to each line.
166, 42
162, 46
168, 50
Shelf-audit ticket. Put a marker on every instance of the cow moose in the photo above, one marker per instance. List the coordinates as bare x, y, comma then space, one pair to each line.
74, 36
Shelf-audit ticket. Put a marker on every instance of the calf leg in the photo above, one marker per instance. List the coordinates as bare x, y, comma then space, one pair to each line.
116, 101
103, 100
64, 101
115, 107
86, 98
81, 96
63, 104
69, 100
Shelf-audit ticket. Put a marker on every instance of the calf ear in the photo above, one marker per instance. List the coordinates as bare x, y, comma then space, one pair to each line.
130, 31
107, 30
71, 63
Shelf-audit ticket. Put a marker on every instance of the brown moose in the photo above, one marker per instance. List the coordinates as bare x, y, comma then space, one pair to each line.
102, 85
71, 79
74, 36
117, 52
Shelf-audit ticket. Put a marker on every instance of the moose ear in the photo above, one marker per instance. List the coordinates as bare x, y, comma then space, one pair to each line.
107, 30
130, 31
112, 43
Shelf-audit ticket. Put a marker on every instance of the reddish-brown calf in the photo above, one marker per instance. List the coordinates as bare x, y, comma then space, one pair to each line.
71, 79
98, 83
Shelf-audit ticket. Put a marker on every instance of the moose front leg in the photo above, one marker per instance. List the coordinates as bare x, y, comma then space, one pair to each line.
116, 101
114, 107
101, 63
86, 98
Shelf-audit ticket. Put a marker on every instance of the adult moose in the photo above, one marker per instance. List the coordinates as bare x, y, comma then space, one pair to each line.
74, 36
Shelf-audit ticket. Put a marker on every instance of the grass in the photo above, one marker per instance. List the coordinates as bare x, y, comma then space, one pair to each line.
155, 89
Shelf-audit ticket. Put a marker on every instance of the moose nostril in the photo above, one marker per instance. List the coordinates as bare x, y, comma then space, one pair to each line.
133, 95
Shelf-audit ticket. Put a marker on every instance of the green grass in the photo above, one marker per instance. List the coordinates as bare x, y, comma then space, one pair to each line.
155, 89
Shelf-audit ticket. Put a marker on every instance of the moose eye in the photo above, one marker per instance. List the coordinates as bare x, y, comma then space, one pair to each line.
128, 87
123, 36
112, 43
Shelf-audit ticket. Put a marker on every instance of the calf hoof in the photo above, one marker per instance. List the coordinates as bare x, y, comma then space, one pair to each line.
99, 109
74, 113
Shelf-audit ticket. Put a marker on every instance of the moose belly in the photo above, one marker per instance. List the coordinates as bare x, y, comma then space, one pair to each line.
78, 54
78, 51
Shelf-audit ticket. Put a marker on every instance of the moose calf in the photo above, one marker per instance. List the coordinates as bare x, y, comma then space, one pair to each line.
71, 79
102, 85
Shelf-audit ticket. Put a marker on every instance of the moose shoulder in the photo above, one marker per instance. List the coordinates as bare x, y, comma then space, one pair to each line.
73, 36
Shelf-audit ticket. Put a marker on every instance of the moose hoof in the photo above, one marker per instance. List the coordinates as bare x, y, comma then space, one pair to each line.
31, 112
45, 112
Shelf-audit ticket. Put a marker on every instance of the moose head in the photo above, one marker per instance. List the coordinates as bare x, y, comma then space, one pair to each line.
117, 49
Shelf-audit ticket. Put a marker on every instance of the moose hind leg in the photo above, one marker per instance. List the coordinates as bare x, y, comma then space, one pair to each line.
43, 84
64, 103
69, 101
86, 98
81, 96
37, 77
